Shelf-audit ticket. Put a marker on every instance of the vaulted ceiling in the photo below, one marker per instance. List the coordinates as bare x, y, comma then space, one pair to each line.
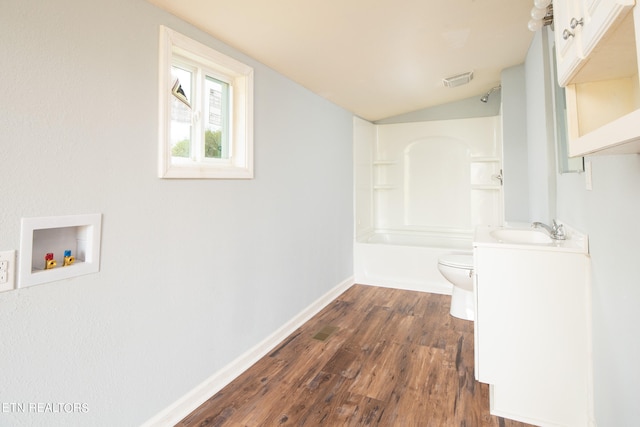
375, 58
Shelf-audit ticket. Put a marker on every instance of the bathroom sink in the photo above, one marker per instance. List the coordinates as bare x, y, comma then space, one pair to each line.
520, 235
523, 236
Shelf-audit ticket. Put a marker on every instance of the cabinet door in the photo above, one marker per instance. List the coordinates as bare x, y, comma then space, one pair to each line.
569, 53
494, 323
598, 17
532, 333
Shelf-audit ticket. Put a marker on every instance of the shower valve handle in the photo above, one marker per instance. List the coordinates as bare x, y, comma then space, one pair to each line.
498, 176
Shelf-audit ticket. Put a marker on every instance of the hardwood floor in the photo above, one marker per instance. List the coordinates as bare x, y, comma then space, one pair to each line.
394, 358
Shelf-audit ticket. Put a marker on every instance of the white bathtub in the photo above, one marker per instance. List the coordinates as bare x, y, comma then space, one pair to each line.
406, 260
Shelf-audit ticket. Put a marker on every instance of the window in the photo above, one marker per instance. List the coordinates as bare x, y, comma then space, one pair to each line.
206, 111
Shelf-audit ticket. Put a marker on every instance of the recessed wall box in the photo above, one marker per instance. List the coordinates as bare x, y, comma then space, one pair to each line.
79, 234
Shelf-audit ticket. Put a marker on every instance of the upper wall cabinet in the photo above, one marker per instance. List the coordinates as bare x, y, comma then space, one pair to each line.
597, 50
568, 38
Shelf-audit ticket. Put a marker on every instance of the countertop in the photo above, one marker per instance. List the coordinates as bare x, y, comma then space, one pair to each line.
575, 242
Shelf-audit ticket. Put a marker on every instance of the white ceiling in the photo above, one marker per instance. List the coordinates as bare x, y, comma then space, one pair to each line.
375, 58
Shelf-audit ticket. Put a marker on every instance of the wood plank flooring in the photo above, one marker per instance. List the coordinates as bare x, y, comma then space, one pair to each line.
394, 358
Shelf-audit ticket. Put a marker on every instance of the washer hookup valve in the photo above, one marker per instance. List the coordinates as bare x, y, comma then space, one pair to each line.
68, 258
49, 262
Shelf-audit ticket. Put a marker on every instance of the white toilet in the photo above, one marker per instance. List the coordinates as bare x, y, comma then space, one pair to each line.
458, 269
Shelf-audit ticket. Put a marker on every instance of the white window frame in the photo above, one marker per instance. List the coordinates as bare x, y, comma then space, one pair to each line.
239, 165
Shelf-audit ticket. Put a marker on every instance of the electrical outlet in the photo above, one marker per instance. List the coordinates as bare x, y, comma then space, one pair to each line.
7, 270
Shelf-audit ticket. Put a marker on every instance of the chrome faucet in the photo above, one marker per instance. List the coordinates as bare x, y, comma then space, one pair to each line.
556, 231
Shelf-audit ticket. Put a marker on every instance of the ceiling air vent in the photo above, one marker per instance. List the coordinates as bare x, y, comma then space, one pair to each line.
458, 80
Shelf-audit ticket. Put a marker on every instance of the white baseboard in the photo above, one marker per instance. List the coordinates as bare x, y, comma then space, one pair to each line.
425, 286
171, 415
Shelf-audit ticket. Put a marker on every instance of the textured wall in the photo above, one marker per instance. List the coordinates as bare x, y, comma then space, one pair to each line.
609, 215
515, 155
540, 134
463, 109
193, 272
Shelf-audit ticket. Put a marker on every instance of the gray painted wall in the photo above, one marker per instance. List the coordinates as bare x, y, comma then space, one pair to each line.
193, 272
463, 109
609, 215
540, 134
515, 148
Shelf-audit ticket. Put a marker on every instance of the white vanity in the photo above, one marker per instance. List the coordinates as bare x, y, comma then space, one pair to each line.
532, 331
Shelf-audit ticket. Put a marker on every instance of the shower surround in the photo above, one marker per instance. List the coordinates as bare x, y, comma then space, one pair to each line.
420, 190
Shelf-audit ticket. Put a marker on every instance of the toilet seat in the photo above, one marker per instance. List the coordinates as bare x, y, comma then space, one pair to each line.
457, 261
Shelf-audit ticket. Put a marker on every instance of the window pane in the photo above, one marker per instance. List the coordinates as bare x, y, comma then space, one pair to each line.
216, 119
181, 110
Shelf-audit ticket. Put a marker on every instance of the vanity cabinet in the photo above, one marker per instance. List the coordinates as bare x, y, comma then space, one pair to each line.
596, 54
532, 337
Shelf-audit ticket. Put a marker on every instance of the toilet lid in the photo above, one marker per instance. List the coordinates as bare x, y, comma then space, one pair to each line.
458, 261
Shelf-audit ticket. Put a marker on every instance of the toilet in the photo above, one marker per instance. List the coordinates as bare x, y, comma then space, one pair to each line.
458, 270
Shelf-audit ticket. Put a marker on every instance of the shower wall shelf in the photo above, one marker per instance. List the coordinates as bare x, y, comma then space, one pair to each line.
380, 174
483, 159
79, 234
484, 170
485, 187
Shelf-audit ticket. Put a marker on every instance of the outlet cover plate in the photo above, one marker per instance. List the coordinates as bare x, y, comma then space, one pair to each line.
7, 270
588, 183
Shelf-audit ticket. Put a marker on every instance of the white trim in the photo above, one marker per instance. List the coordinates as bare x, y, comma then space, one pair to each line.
84, 230
240, 78
591, 414
196, 397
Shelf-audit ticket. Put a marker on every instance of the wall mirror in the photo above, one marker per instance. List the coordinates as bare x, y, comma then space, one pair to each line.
566, 164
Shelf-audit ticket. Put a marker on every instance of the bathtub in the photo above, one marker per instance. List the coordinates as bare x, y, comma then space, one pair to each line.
407, 260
